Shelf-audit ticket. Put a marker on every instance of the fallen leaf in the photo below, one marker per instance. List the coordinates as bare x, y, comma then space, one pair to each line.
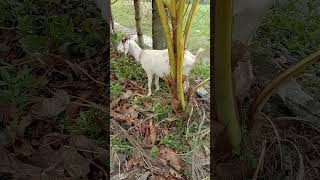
50, 107
170, 156
144, 176
75, 164
8, 111
134, 160
154, 177
82, 142
23, 124
126, 95
73, 108
8, 135
150, 137
44, 157
9, 164
22, 146
120, 176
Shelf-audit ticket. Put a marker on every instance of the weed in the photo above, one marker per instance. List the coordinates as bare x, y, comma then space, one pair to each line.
294, 28
19, 86
115, 89
126, 67
120, 144
154, 151
86, 124
73, 28
161, 111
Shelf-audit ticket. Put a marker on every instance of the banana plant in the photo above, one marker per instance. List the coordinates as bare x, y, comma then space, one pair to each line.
176, 37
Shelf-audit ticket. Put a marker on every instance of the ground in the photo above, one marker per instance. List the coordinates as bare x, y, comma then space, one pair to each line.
179, 142
52, 95
48, 61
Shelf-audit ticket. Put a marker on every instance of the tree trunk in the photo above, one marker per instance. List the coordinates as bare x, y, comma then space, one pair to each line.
158, 40
138, 17
110, 15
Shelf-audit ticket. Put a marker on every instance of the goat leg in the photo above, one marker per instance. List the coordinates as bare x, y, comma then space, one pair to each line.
156, 79
149, 83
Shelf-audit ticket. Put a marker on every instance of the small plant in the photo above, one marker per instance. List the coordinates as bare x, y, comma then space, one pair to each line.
86, 124
56, 26
18, 86
154, 151
115, 89
162, 111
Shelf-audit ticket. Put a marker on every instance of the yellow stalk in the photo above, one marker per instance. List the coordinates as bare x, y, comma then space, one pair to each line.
180, 52
194, 6
197, 87
166, 30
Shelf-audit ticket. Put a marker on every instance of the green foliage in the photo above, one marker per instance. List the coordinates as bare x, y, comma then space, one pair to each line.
294, 27
86, 124
19, 86
161, 111
115, 89
74, 28
127, 68
120, 144
154, 151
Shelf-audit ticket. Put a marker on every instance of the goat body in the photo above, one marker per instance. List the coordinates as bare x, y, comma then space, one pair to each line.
156, 62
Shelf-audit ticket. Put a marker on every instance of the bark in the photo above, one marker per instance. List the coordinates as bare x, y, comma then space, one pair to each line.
110, 15
158, 40
138, 17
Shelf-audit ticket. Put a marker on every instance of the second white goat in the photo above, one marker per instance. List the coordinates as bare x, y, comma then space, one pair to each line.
156, 62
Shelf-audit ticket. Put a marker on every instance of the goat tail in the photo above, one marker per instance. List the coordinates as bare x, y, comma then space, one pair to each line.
200, 50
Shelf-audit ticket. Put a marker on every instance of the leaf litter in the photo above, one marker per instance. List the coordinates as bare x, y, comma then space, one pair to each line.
34, 141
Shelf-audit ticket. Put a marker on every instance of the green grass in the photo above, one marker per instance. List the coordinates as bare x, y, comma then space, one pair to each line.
292, 30
200, 29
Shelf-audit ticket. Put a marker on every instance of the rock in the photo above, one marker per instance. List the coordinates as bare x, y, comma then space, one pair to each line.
300, 102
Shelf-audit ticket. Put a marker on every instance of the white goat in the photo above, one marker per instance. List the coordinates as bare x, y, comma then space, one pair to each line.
156, 62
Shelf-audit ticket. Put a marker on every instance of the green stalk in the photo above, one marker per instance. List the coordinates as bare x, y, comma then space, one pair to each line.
197, 87
266, 93
194, 6
225, 103
180, 53
166, 30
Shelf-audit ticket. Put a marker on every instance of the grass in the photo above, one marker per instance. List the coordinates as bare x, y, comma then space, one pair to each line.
123, 13
292, 30
158, 105
199, 35
39, 32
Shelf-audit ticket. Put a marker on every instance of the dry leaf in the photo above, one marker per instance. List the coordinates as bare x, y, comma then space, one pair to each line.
126, 95
150, 137
50, 107
8, 111
144, 176
9, 164
23, 124
170, 156
134, 160
22, 146
73, 108
75, 164
154, 177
